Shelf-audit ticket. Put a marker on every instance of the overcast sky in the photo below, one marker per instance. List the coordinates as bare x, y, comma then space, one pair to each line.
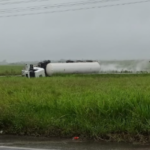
120, 32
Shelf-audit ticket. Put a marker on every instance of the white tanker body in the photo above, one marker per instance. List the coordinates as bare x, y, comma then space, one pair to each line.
82, 67
47, 68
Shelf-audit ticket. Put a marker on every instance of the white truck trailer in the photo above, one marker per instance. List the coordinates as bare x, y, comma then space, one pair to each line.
46, 68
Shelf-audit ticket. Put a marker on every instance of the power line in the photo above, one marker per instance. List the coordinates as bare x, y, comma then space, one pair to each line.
19, 2
3, 0
77, 9
54, 6
29, 1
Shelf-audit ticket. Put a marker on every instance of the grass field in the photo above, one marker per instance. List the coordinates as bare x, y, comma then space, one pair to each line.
10, 70
109, 107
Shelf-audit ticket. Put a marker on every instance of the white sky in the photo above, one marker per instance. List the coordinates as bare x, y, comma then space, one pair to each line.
121, 32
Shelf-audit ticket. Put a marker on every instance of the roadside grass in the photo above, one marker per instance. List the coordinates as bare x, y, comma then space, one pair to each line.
109, 107
7, 70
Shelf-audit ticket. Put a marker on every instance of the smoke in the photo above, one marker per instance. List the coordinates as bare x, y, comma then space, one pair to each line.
122, 66
143, 65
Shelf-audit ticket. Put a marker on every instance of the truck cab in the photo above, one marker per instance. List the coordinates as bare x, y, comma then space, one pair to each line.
30, 71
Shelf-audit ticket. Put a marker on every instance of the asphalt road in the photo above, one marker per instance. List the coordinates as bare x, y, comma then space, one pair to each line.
29, 143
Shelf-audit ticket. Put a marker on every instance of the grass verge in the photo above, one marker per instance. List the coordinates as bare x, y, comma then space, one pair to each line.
109, 107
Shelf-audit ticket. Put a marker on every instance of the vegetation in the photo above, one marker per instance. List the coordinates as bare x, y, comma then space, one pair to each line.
10, 70
109, 107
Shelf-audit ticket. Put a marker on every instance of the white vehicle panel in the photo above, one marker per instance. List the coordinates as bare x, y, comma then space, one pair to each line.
87, 67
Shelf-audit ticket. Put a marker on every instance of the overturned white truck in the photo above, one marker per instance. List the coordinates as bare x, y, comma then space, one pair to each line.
46, 68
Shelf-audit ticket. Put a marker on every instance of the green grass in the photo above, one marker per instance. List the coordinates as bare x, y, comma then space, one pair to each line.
110, 107
10, 70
